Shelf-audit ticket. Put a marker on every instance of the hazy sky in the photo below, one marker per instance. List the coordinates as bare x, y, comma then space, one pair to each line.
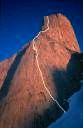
21, 20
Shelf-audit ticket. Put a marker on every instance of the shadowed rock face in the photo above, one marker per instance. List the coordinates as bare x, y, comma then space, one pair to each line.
24, 102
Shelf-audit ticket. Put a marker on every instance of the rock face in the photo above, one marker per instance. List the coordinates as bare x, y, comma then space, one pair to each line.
24, 101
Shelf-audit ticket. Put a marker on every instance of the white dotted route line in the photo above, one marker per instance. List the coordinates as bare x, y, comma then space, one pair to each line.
35, 49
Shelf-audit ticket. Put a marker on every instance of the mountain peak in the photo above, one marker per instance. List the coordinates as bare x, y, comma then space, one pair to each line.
60, 30
35, 81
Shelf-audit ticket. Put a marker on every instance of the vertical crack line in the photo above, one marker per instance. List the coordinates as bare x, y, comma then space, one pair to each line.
41, 74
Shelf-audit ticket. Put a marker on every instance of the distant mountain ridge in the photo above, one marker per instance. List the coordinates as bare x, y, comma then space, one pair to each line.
24, 102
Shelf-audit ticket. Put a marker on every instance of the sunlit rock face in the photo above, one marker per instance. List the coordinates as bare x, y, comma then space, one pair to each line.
24, 101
